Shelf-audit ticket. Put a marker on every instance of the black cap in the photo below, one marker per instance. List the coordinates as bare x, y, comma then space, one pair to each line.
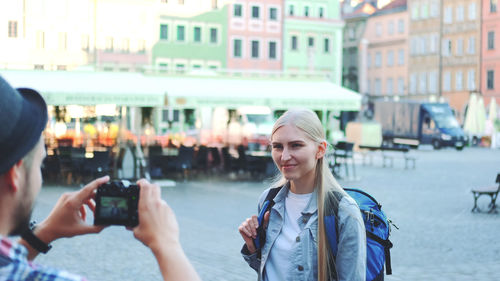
23, 117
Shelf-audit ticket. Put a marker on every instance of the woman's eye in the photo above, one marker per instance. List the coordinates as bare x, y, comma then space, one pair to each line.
297, 145
277, 146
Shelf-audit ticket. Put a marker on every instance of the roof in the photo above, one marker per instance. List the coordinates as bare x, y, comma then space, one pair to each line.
361, 10
136, 89
395, 6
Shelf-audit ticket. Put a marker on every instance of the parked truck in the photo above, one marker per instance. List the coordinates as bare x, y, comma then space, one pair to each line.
414, 123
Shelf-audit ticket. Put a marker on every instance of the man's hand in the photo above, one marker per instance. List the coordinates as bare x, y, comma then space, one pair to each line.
158, 229
157, 223
67, 218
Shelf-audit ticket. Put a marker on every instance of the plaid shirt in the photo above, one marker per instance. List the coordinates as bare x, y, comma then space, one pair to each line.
15, 266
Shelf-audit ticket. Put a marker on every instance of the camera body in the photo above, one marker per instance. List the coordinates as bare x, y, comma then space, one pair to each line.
116, 204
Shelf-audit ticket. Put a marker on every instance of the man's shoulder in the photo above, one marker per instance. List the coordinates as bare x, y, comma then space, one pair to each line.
14, 266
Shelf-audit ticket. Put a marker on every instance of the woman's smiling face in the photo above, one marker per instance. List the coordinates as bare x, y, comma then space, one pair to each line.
294, 153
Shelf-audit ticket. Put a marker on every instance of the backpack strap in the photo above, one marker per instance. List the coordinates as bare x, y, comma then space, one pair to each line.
260, 240
332, 231
387, 246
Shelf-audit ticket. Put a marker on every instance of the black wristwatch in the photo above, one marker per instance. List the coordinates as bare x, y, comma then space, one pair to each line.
34, 241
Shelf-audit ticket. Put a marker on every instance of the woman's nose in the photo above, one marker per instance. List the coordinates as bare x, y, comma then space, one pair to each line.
285, 155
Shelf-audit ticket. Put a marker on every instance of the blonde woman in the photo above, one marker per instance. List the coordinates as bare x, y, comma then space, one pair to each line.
296, 246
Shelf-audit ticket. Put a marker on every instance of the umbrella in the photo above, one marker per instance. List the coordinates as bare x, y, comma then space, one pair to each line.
470, 118
493, 114
481, 115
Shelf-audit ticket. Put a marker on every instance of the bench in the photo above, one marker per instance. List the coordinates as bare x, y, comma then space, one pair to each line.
388, 154
492, 191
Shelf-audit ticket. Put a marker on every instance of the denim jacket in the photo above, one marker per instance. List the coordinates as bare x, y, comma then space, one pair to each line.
351, 256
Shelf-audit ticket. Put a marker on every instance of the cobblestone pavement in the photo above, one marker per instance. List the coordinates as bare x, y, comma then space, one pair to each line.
438, 237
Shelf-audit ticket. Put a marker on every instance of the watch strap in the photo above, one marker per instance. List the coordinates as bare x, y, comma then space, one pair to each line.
34, 241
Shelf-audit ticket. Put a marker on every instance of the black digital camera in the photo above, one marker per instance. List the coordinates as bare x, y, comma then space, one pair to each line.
116, 204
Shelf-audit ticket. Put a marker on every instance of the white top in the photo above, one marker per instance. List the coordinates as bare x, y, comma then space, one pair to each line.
278, 265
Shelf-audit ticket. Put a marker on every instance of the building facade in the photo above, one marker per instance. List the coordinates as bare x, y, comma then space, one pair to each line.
461, 36
255, 31
385, 51
188, 44
424, 49
354, 30
490, 50
312, 39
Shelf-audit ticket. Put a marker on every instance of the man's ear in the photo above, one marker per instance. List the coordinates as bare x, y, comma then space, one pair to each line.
13, 176
321, 150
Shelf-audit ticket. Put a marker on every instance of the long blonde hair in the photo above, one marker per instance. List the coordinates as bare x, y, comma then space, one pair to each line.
308, 122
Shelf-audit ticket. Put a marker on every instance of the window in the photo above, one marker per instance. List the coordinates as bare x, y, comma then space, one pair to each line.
141, 46
109, 44
493, 7
125, 45
413, 83
197, 34
326, 46
369, 86
12, 29
471, 80
351, 33
433, 43
389, 87
310, 42
85, 42
255, 49
433, 75
294, 43
378, 59
213, 35
378, 29
472, 11
401, 57
306, 11
471, 49
291, 11
459, 81
491, 40
272, 50
369, 60
63, 41
448, 17
273, 14
163, 31
180, 33
460, 47
180, 68
40, 39
390, 27
413, 45
424, 11
237, 45
422, 83
446, 47
490, 79
321, 12
447, 81
434, 9
255, 12
401, 26
378, 87
237, 10
460, 13
414, 11
390, 58
401, 86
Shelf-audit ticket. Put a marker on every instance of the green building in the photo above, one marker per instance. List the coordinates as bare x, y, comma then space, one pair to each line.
312, 39
189, 44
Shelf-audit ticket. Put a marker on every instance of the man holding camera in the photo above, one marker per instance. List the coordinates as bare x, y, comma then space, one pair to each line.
23, 116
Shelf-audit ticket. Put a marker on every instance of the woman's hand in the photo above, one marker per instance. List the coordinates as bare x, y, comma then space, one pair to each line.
248, 230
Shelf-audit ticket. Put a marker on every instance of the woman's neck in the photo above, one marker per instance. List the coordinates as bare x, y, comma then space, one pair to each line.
301, 187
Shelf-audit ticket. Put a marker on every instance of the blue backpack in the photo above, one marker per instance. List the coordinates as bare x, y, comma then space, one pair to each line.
376, 224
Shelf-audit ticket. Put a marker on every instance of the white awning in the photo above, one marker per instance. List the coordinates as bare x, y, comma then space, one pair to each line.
135, 89
88, 88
